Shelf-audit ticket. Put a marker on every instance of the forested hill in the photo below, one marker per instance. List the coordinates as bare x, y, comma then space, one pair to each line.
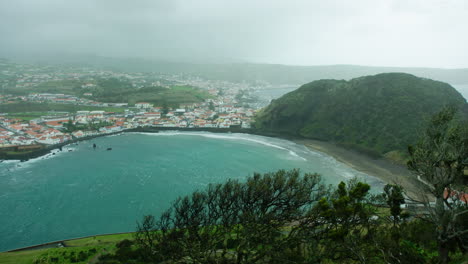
379, 114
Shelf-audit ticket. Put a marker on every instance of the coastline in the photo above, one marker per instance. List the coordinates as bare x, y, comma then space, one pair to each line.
380, 168
27, 155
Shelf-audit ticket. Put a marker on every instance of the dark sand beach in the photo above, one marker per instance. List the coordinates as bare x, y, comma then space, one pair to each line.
383, 169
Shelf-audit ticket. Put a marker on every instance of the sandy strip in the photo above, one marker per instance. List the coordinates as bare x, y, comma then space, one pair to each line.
383, 169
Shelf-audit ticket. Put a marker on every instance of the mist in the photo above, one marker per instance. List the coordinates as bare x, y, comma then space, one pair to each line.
400, 33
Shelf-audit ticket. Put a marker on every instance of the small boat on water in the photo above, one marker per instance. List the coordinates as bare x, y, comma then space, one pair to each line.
109, 148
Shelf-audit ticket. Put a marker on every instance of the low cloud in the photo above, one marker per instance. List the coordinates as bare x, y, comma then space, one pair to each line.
429, 33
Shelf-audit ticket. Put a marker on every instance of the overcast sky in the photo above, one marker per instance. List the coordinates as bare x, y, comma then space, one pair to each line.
426, 33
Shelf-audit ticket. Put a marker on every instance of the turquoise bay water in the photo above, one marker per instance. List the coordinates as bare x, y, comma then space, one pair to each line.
86, 192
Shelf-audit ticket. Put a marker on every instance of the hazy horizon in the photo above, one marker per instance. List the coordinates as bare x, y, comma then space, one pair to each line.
40, 57
393, 33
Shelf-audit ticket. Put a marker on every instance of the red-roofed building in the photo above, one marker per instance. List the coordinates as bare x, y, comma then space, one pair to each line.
56, 123
456, 196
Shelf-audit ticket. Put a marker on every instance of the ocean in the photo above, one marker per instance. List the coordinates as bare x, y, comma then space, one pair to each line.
462, 89
83, 191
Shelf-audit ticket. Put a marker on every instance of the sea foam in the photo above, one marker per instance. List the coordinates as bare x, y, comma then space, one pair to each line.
230, 136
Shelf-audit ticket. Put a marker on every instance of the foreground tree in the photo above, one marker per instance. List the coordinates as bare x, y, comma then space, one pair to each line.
438, 161
240, 222
280, 217
348, 225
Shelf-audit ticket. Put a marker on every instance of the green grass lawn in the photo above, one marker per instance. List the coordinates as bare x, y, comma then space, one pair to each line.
23, 257
98, 240
28, 111
77, 251
13, 153
52, 255
62, 86
28, 115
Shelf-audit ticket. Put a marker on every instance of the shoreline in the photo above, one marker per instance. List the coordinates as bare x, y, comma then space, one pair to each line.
48, 148
27, 155
55, 244
380, 168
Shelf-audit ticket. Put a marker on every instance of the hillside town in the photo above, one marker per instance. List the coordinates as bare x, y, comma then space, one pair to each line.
226, 105
56, 128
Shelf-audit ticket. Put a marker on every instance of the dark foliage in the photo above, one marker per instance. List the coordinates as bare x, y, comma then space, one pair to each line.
439, 161
282, 218
373, 114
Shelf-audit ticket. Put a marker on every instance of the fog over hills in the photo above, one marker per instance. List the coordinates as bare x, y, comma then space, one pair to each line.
276, 74
397, 33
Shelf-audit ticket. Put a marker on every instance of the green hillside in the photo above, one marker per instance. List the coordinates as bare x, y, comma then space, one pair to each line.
376, 114
34, 110
172, 96
113, 90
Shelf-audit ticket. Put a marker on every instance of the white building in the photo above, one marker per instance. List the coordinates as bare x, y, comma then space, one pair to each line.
143, 105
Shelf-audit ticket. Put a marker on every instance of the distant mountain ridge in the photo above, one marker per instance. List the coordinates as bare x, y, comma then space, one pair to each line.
250, 72
383, 113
